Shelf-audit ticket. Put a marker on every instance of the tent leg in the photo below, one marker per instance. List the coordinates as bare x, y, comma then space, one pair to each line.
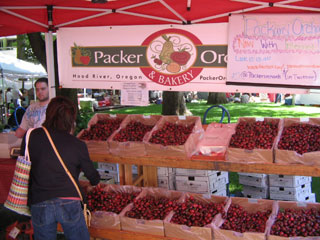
50, 64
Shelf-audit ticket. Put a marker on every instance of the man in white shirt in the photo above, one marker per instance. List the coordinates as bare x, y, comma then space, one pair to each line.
8, 98
36, 112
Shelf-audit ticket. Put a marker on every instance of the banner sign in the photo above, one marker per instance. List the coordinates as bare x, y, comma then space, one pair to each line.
280, 50
165, 57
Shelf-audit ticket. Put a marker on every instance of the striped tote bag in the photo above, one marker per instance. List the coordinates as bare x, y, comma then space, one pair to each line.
18, 194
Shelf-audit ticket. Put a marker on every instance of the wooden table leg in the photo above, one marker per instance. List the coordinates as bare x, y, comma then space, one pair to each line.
150, 176
128, 174
122, 174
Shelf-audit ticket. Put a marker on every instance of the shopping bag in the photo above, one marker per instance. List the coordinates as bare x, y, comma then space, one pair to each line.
18, 194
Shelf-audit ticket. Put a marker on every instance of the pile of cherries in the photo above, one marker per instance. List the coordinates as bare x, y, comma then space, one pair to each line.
134, 131
101, 130
100, 200
171, 134
196, 213
240, 220
301, 138
151, 208
297, 223
260, 135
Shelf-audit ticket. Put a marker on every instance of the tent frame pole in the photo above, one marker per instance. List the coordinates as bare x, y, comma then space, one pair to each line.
50, 55
50, 64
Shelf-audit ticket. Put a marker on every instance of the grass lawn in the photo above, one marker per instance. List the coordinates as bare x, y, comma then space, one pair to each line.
237, 110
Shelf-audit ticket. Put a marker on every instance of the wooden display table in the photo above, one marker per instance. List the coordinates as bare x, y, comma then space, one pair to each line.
148, 175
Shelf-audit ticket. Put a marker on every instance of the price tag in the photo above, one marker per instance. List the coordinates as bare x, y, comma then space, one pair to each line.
206, 196
304, 119
113, 115
14, 232
259, 119
182, 117
252, 200
146, 116
301, 204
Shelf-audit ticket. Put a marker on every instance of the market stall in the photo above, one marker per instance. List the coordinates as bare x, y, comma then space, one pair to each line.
164, 68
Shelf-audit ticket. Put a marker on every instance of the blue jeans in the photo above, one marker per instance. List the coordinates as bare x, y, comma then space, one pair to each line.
68, 213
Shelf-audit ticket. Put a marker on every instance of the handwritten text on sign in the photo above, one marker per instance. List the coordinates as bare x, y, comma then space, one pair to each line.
274, 49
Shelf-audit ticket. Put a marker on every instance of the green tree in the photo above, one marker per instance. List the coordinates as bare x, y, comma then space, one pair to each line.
38, 47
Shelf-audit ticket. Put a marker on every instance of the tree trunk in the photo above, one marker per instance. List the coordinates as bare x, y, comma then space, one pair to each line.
21, 54
217, 98
39, 48
173, 103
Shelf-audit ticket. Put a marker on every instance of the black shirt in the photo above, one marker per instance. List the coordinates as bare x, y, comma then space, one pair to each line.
48, 178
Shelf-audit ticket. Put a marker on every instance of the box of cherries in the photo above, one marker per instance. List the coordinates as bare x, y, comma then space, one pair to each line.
128, 139
299, 142
174, 136
100, 128
253, 140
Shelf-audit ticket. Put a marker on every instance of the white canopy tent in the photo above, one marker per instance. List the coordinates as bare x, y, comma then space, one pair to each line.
13, 69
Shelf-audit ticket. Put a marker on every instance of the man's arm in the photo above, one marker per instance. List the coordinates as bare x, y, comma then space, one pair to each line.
20, 132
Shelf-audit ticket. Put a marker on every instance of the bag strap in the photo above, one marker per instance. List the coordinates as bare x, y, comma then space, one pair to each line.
62, 163
26, 149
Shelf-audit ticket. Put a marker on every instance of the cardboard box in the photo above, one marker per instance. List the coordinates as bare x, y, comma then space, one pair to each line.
196, 172
8, 141
288, 181
95, 146
292, 157
254, 181
131, 148
108, 166
255, 155
164, 171
305, 188
282, 205
110, 220
167, 182
255, 192
299, 196
173, 230
154, 227
183, 151
257, 175
251, 206
201, 184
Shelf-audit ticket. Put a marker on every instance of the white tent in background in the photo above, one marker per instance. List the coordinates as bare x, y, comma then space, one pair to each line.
13, 69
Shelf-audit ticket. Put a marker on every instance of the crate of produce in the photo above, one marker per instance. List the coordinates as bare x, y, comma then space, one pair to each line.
299, 142
295, 220
107, 202
254, 181
147, 212
254, 140
246, 219
279, 180
100, 128
255, 192
128, 139
174, 136
193, 217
